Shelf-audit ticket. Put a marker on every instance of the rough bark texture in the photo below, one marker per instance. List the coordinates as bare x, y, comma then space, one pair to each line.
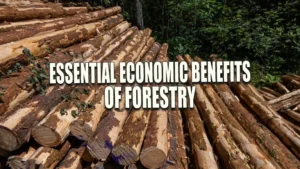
127, 148
263, 137
270, 118
285, 101
18, 14
225, 145
202, 150
139, 14
43, 44
56, 25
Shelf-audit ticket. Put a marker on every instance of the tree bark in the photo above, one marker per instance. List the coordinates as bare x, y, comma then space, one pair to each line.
285, 101
280, 88
18, 14
43, 44
225, 145
270, 118
267, 96
263, 137
292, 82
127, 148
202, 150
15, 35
139, 14
85, 126
271, 91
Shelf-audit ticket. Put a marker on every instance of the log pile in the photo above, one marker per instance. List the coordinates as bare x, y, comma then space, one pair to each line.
67, 126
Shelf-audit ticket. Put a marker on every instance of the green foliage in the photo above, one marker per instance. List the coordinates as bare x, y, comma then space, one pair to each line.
265, 32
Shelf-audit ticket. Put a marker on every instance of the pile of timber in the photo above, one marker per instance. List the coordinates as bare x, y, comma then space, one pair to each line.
67, 126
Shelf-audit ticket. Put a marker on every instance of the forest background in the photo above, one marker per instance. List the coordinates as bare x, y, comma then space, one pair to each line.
265, 32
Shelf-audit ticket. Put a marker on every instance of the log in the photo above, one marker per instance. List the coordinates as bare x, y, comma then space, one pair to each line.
177, 157
101, 143
127, 148
45, 157
270, 118
292, 114
155, 147
86, 124
56, 25
43, 44
225, 145
9, 26
202, 150
297, 108
74, 159
16, 162
291, 82
267, 96
271, 91
280, 88
244, 142
263, 137
18, 14
89, 47
285, 101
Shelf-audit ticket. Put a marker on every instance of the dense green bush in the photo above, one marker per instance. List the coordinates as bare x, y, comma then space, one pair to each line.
265, 32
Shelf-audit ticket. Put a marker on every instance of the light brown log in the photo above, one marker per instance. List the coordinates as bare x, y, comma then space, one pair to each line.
87, 48
270, 118
43, 44
280, 88
177, 157
9, 26
127, 148
18, 14
244, 142
271, 91
285, 101
225, 145
16, 162
155, 147
107, 132
74, 159
263, 137
201, 148
26, 116
267, 96
15, 35
86, 124
292, 114
297, 108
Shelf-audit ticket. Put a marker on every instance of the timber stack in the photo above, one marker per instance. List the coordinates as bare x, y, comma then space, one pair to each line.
67, 126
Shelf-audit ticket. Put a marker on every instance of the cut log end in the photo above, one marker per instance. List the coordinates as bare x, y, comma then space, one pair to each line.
81, 130
46, 136
8, 140
99, 149
125, 155
153, 157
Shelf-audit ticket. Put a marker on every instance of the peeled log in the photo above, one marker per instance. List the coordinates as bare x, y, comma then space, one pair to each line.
43, 44
74, 159
225, 145
4, 27
285, 101
56, 25
18, 14
54, 128
86, 124
263, 137
155, 147
177, 158
126, 150
270, 118
201, 148
244, 142
87, 48
292, 114
267, 96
